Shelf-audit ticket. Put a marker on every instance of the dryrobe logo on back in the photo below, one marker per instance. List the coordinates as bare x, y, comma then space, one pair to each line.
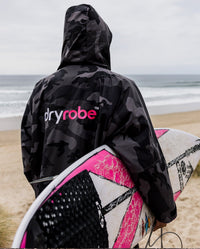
69, 114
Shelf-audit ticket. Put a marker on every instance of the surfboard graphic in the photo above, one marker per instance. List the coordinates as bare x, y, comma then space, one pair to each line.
94, 202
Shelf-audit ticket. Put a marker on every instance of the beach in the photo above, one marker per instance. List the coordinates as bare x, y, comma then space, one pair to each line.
17, 195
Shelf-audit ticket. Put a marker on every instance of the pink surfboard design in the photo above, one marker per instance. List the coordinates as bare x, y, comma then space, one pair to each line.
130, 222
176, 195
161, 132
102, 164
135, 219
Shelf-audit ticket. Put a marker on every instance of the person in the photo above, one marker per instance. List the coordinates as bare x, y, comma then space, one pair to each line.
84, 105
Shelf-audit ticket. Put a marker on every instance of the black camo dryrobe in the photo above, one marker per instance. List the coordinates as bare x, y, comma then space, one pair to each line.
84, 105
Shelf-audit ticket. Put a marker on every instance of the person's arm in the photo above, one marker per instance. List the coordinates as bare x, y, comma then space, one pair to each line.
132, 137
26, 142
32, 138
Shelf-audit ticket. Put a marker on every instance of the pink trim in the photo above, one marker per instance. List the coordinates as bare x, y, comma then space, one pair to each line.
23, 244
103, 164
129, 223
160, 133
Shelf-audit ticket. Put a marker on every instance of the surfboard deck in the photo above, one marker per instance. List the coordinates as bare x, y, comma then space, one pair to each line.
94, 203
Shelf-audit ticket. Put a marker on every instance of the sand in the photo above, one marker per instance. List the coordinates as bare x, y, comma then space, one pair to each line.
16, 195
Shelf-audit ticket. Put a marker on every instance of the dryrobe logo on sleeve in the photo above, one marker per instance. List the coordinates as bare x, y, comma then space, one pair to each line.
69, 114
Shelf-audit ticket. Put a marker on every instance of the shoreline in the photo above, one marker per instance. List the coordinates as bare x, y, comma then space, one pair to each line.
10, 123
173, 108
185, 121
176, 111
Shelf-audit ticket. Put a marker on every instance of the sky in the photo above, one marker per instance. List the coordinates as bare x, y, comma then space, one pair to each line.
149, 36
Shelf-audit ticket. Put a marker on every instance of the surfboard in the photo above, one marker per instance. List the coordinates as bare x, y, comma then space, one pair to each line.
94, 203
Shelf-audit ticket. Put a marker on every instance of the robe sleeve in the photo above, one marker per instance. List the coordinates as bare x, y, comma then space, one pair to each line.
132, 137
32, 138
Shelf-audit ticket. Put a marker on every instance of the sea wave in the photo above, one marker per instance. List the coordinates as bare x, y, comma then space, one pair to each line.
12, 108
15, 91
7, 103
163, 92
157, 90
173, 102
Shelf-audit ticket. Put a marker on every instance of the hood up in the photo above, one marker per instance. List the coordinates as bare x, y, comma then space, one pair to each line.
87, 38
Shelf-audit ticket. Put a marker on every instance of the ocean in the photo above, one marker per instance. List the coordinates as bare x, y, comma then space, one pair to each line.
169, 93
162, 93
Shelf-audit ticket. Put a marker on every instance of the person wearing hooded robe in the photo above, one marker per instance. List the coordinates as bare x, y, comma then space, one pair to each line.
84, 105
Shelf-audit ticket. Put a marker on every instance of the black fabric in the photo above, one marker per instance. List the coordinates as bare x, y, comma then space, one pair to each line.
71, 218
84, 105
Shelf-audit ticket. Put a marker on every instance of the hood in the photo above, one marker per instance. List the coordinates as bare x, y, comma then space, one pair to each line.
87, 38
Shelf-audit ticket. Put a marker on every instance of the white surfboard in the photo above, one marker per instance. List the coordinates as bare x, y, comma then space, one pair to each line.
94, 203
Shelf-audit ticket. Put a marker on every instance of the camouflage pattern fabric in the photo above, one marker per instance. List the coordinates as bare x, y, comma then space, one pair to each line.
84, 105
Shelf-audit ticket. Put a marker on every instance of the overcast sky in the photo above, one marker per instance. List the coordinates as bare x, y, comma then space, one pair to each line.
149, 36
